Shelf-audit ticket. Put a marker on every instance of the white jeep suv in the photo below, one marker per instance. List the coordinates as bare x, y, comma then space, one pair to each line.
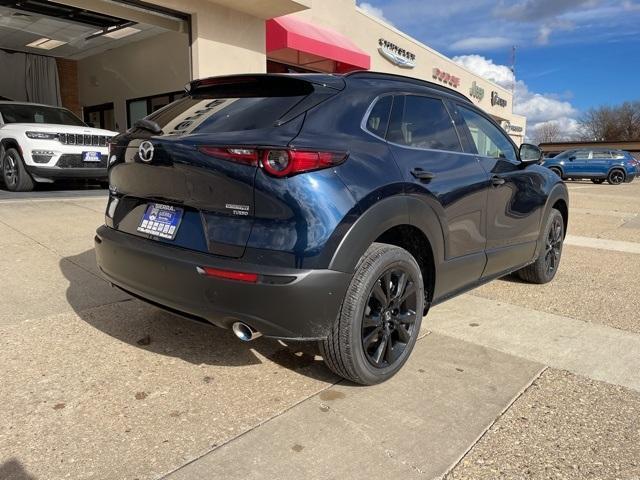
40, 143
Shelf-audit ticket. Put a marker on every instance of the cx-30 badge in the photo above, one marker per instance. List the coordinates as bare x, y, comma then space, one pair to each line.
146, 151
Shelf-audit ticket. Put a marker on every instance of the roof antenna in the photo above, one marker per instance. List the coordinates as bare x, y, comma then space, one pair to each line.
513, 71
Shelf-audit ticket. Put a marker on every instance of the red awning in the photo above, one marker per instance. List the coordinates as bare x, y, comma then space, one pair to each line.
289, 39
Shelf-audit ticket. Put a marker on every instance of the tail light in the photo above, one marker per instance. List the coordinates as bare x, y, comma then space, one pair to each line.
278, 162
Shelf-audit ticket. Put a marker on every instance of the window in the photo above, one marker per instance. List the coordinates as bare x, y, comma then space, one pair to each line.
21, 113
138, 108
379, 116
488, 139
600, 155
422, 122
582, 154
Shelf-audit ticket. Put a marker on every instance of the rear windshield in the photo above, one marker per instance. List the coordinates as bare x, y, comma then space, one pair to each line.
39, 114
231, 108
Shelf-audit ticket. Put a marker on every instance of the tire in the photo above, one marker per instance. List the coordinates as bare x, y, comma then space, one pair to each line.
544, 269
598, 181
14, 174
616, 177
366, 317
557, 171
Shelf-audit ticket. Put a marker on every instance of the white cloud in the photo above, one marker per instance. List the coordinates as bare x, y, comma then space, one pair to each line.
476, 44
539, 108
374, 11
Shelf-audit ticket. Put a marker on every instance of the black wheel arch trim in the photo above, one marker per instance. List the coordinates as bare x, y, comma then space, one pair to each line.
388, 213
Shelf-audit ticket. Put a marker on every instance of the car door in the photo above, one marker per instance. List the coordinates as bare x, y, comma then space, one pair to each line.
576, 164
516, 197
598, 164
427, 148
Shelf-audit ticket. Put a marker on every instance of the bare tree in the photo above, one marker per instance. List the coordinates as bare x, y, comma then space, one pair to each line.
547, 132
620, 123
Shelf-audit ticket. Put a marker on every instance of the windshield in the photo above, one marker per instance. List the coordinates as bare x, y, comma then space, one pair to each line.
20, 113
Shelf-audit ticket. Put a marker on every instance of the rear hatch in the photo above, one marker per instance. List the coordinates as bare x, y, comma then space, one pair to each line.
186, 164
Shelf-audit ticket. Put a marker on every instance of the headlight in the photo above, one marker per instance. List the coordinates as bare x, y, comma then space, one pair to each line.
42, 135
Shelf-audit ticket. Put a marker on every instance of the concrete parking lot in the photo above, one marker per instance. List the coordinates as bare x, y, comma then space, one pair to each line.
510, 381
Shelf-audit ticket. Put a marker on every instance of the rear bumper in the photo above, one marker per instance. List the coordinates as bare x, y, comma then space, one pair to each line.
285, 303
56, 172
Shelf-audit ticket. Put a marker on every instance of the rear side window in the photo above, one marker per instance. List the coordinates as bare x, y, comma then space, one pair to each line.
488, 139
422, 122
234, 107
378, 118
599, 155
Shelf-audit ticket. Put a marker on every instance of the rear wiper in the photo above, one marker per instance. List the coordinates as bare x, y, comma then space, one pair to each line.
149, 126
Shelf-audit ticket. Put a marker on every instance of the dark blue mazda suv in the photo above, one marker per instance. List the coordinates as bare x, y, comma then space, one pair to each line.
335, 208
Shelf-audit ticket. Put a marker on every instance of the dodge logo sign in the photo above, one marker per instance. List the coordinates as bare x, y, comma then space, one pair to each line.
146, 151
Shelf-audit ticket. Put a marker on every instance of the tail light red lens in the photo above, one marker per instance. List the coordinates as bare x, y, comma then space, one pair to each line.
248, 156
278, 162
228, 274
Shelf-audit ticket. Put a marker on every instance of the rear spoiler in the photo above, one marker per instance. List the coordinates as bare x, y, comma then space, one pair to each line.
335, 82
314, 87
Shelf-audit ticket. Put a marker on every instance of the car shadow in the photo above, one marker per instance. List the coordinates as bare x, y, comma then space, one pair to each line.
12, 469
149, 328
513, 278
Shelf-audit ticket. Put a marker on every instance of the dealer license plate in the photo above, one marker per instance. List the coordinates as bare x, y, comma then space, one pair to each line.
161, 220
91, 157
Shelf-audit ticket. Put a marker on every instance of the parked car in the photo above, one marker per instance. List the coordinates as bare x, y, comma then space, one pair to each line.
598, 165
39, 143
325, 207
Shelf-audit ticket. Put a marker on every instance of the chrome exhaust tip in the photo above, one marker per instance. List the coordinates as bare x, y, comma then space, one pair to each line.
244, 332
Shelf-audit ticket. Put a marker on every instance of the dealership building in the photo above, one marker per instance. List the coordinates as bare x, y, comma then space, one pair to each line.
115, 61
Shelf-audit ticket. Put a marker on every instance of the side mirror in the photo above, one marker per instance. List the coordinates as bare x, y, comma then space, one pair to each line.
572, 158
530, 153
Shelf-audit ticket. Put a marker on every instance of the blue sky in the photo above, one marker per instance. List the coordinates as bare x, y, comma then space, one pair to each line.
571, 54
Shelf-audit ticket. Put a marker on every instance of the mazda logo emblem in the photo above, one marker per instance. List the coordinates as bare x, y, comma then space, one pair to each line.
146, 151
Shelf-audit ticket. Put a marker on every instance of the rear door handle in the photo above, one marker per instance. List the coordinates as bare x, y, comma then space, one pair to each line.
495, 181
422, 174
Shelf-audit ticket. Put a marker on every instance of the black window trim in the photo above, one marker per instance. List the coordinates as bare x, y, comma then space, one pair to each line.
363, 123
474, 109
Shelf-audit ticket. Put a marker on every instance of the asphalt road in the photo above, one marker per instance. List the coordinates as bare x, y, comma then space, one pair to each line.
512, 381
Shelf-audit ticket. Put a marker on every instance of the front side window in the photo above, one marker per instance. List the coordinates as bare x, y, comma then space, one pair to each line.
422, 122
488, 139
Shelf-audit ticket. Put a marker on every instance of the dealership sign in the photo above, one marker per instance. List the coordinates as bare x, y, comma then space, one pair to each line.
446, 77
476, 91
496, 99
396, 55
508, 127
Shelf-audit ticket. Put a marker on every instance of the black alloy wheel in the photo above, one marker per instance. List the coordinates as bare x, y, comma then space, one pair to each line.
616, 177
545, 267
553, 246
380, 318
389, 317
557, 171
